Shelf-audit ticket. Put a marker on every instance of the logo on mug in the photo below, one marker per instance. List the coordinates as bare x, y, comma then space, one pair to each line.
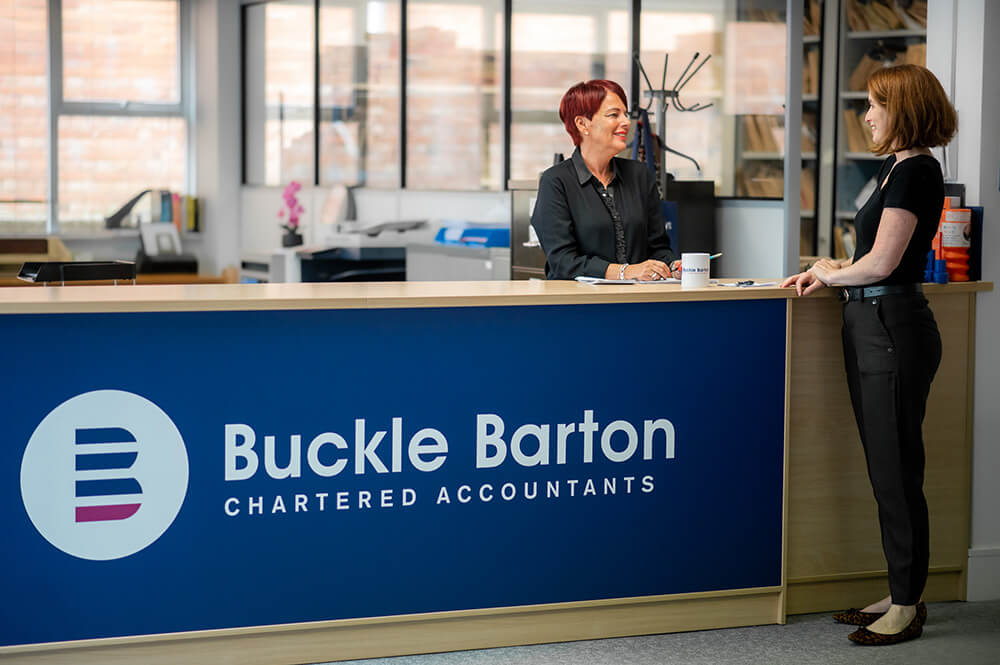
104, 475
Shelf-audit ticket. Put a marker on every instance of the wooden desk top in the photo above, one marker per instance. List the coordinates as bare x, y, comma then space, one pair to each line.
379, 295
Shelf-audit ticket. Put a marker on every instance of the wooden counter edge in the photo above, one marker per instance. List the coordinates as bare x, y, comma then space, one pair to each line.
384, 295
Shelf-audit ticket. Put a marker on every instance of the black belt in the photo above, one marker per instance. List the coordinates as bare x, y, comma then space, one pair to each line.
849, 293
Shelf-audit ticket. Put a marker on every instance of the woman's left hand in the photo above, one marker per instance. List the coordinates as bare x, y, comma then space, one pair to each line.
675, 269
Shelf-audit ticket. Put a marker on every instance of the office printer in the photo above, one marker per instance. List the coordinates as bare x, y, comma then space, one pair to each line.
160, 251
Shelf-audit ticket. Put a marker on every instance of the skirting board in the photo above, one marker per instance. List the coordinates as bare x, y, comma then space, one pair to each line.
394, 636
838, 592
984, 573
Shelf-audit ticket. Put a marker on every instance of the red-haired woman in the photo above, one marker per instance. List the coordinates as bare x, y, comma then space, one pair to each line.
597, 215
891, 343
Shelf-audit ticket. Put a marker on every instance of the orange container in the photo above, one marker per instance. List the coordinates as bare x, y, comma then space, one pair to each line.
956, 231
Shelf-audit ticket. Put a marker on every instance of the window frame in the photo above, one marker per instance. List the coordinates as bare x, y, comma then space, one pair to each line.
58, 106
506, 119
505, 90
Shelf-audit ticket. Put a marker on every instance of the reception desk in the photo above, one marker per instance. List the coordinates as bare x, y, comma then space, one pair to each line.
296, 473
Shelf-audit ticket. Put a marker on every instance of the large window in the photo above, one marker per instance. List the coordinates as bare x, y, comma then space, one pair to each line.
359, 92
458, 124
105, 160
280, 90
104, 120
666, 28
452, 97
556, 43
121, 51
23, 116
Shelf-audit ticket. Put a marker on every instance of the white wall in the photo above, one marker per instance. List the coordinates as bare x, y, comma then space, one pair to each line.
962, 50
260, 229
217, 126
747, 230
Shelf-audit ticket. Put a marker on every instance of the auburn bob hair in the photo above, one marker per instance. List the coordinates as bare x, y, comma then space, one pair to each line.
920, 115
585, 99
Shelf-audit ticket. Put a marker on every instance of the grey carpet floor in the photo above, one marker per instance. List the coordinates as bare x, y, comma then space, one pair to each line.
955, 634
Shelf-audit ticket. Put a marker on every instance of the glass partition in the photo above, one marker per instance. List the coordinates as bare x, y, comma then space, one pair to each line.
454, 54
279, 92
359, 93
453, 101
555, 44
738, 141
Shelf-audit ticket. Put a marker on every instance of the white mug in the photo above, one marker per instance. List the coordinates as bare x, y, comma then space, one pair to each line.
694, 270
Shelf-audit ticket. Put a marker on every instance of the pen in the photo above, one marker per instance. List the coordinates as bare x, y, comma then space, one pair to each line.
715, 256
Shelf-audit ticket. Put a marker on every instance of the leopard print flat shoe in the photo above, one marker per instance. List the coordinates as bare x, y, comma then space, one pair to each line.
913, 630
855, 617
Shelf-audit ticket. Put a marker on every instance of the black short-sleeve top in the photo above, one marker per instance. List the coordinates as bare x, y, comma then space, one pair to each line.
916, 185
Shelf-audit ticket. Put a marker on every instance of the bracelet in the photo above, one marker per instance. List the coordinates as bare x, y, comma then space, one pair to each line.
621, 271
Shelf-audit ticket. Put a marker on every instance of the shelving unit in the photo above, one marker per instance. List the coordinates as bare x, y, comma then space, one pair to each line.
853, 41
760, 138
759, 124
872, 37
813, 57
843, 42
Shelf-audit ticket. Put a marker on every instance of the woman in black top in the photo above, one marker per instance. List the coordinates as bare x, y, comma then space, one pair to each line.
597, 215
891, 343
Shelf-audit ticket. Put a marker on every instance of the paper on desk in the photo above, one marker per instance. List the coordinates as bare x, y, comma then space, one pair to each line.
668, 280
602, 280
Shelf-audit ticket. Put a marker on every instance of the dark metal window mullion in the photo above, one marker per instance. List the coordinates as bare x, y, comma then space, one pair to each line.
402, 93
316, 109
633, 68
836, 129
243, 94
508, 21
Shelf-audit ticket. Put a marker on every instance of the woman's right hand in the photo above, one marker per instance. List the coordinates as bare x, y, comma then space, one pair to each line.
804, 282
648, 271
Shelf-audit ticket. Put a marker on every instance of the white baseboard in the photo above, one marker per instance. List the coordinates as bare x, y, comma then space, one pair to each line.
984, 573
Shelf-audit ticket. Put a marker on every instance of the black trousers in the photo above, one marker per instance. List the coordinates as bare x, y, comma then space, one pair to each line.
892, 350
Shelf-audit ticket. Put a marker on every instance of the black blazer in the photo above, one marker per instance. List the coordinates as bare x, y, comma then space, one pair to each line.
575, 229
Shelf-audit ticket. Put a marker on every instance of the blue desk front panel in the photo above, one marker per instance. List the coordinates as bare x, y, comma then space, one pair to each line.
115, 439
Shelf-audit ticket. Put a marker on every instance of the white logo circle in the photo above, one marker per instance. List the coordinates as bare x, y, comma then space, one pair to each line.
104, 475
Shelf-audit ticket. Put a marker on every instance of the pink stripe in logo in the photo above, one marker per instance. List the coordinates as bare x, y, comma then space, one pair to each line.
106, 513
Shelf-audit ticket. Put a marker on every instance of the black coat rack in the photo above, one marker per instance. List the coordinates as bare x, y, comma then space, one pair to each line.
661, 96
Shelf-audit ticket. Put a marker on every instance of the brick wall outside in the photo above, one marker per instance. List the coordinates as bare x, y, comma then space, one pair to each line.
104, 161
116, 50
109, 54
23, 114
120, 50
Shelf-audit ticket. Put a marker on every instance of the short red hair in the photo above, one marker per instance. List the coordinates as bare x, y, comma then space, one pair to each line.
585, 99
920, 115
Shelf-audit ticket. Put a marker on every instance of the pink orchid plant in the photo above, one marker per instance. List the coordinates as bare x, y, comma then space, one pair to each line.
292, 206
